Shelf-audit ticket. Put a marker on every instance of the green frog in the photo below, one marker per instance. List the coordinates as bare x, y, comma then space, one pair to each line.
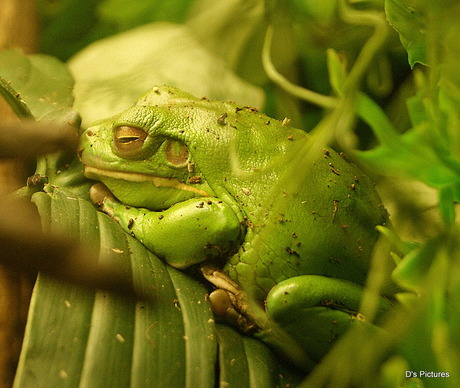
225, 188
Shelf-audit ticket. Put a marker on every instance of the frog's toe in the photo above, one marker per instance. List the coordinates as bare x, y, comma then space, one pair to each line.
223, 306
100, 192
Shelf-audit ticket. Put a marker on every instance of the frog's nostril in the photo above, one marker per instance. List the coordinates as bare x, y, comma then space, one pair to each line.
89, 133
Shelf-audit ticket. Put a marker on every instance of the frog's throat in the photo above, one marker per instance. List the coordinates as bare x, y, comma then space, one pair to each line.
93, 172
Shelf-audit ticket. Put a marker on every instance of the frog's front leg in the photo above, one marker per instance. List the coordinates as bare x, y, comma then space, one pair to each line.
187, 233
316, 310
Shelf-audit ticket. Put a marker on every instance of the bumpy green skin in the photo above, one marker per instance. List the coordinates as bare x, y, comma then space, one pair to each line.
282, 219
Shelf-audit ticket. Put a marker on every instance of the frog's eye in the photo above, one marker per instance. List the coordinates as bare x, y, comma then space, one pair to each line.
128, 141
176, 153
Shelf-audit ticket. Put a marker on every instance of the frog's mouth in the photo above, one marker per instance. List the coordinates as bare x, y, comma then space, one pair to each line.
96, 173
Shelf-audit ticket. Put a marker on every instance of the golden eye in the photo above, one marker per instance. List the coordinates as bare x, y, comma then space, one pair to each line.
176, 153
129, 140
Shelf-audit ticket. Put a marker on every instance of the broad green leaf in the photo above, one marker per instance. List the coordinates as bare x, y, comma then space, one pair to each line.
43, 84
246, 362
89, 338
50, 356
112, 341
112, 73
233, 368
411, 27
198, 319
40, 87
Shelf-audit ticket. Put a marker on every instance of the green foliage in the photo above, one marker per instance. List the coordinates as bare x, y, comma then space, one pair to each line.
40, 85
411, 27
429, 150
355, 58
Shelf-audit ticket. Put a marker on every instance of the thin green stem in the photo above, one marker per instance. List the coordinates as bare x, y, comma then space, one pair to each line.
310, 96
373, 44
344, 106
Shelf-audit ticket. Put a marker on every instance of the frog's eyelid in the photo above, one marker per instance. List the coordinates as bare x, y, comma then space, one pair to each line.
129, 132
128, 140
176, 153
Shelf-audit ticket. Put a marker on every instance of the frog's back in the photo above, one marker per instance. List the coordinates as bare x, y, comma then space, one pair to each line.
323, 223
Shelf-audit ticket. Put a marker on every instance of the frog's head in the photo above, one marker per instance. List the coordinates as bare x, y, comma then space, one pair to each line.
172, 146
141, 156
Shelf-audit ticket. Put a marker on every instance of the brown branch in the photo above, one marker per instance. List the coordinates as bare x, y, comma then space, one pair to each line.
18, 29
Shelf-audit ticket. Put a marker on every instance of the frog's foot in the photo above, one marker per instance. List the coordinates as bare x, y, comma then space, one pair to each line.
100, 195
232, 305
229, 302
317, 310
